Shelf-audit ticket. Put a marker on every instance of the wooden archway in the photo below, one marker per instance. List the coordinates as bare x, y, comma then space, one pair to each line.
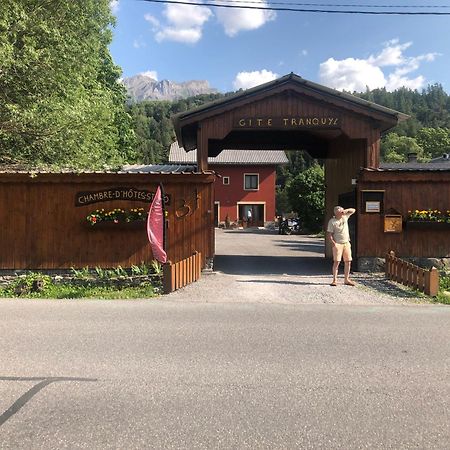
293, 114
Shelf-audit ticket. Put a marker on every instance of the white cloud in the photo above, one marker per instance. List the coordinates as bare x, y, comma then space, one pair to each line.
139, 43
152, 20
354, 74
395, 81
153, 74
351, 74
114, 5
304, 52
187, 36
391, 55
184, 23
187, 16
236, 20
246, 80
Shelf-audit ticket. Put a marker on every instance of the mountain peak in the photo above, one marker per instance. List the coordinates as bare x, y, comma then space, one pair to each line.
144, 87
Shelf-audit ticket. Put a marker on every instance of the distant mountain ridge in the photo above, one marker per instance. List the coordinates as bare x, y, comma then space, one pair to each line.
142, 87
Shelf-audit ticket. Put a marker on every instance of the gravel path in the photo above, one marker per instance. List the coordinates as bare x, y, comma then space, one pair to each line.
260, 266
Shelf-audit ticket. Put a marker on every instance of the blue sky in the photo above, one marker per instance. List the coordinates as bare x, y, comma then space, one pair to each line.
234, 49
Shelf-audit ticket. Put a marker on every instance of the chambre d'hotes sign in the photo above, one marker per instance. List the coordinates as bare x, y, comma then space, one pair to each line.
116, 193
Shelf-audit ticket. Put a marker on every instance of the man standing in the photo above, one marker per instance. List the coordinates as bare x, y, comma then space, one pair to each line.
249, 216
339, 236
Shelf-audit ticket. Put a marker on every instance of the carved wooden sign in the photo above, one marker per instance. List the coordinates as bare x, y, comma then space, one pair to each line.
287, 122
116, 193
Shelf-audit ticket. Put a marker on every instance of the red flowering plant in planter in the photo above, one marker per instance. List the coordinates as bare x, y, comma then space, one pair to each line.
117, 215
429, 215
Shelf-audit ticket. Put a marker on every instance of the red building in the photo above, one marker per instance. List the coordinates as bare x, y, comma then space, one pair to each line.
245, 190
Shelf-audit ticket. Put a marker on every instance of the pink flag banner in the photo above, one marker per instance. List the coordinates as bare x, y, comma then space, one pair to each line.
155, 227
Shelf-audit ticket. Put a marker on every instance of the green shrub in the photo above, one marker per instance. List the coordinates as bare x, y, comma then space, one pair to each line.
31, 284
306, 194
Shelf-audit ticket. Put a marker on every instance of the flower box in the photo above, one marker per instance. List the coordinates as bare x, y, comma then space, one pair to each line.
427, 225
109, 225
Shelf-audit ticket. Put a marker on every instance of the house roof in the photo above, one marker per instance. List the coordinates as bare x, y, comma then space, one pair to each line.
178, 155
440, 163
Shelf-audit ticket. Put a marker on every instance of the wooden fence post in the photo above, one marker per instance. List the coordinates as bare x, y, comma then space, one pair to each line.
390, 265
432, 282
167, 277
198, 264
396, 269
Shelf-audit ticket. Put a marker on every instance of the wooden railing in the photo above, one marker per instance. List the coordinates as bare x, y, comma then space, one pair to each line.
403, 272
180, 274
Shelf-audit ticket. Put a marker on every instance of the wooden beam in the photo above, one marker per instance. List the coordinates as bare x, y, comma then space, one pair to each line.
202, 150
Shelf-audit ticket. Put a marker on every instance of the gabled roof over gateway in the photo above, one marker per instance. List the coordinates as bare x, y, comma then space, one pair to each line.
186, 123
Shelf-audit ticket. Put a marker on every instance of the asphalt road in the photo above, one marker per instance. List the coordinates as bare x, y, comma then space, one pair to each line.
261, 355
158, 374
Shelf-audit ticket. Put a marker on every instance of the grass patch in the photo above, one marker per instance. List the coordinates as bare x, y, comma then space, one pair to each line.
84, 284
69, 291
145, 290
444, 290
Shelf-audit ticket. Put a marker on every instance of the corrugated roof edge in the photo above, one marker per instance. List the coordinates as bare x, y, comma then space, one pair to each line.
214, 163
229, 157
408, 169
37, 172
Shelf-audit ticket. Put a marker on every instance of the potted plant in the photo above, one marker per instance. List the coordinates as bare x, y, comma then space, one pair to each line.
117, 218
428, 219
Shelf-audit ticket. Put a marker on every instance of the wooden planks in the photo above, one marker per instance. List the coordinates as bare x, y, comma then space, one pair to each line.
41, 228
180, 274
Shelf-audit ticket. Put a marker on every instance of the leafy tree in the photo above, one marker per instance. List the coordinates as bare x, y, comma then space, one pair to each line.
306, 193
434, 141
298, 161
60, 102
395, 148
282, 204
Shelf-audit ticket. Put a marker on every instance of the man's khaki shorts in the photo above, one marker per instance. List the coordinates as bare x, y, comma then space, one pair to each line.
342, 251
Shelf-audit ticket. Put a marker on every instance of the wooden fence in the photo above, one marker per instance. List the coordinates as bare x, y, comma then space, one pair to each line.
180, 274
406, 273
44, 226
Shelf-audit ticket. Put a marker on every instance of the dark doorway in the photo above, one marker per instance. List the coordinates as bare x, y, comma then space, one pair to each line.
252, 214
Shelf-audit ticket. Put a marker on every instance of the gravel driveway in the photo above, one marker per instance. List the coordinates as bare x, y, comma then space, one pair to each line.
264, 267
